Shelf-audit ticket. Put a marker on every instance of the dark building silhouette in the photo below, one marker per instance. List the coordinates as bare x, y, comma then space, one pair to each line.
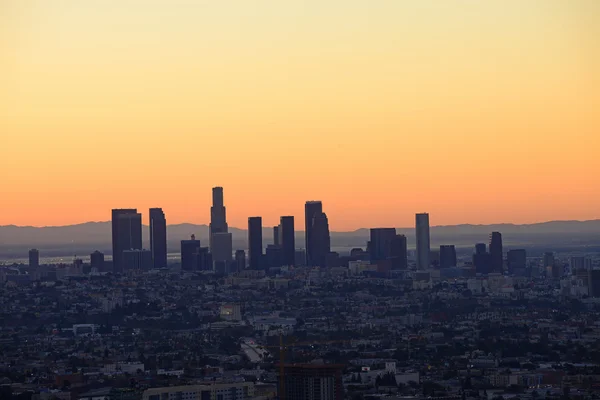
218, 216
423, 241
288, 241
496, 253
447, 256
97, 261
300, 258
240, 260
481, 259
399, 252
313, 382
137, 260
222, 248
255, 244
380, 243
320, 246
126, 234
189, 254
203, 259
517, 261
311, 209
158, 237
594, 282
277, 235
273, 256
34, 258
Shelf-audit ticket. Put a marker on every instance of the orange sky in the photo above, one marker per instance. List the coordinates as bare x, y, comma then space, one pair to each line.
475, 111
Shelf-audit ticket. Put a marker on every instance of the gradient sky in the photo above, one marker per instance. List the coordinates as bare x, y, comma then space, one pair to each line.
475, 111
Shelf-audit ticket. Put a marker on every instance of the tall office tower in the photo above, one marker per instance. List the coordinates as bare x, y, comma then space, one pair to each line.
222, 250
320, 247
255, 245
273, 256
277, 235
137, 260
218, 215
496, 253
126, 234
399, 252
580, 263
240, 260
312, 382
481, 259
447, 256
97, 261
203, 259
158, 237
516, 261
288, 241
381, 242
423, 241
189, 251
311, 209
34, 258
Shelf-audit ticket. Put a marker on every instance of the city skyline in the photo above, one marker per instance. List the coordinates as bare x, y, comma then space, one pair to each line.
494, 102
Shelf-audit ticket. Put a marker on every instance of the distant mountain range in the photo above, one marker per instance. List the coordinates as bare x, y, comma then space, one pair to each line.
89, 236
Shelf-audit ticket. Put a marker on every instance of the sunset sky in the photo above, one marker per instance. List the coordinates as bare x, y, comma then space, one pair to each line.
474, 111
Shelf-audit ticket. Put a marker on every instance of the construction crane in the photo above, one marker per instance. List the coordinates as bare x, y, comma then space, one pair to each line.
283, 347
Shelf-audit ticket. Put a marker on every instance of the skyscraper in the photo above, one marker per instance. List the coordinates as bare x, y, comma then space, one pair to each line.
137, 260
423, 241
320, 246
496, 253
126, 234
97, 261
189, 254
481, 259
222, 251
381, 240
34, 258
517, 261
255, 245
311, 209
288, 241
399, 252
158, 237
447, 256
221, 242
240, 260
277, 235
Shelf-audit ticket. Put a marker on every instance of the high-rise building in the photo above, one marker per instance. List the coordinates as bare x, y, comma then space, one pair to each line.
218, 215
579, 262
222, 250
516, 260
97, 261
288, 240
34, 258
311, 209
548, 259
126, 234
277, 235
137, 260
255, 244
273, 256
240, 260
399, 252
447, 256
320, 246
423, 241
189, 254
158, 237
312, 382
380, 244
203, 259
496, 253
481, 259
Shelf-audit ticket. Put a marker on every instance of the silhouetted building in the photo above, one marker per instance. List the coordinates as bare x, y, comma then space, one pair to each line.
222, 248
137, 260
158, 237
434, 258
548, 259
277, 235
311, 209
203, 259
97, 261
380, 243
273, 256
594, 283
399, 252
516, 261
313, 382
447, 256
240, 260
423, 241
34, 258
288, 241
126, 234
300, 258
218, 216
320, 241
255, 244
189, 251
359, 254
496, 253
579, 262
481, 259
